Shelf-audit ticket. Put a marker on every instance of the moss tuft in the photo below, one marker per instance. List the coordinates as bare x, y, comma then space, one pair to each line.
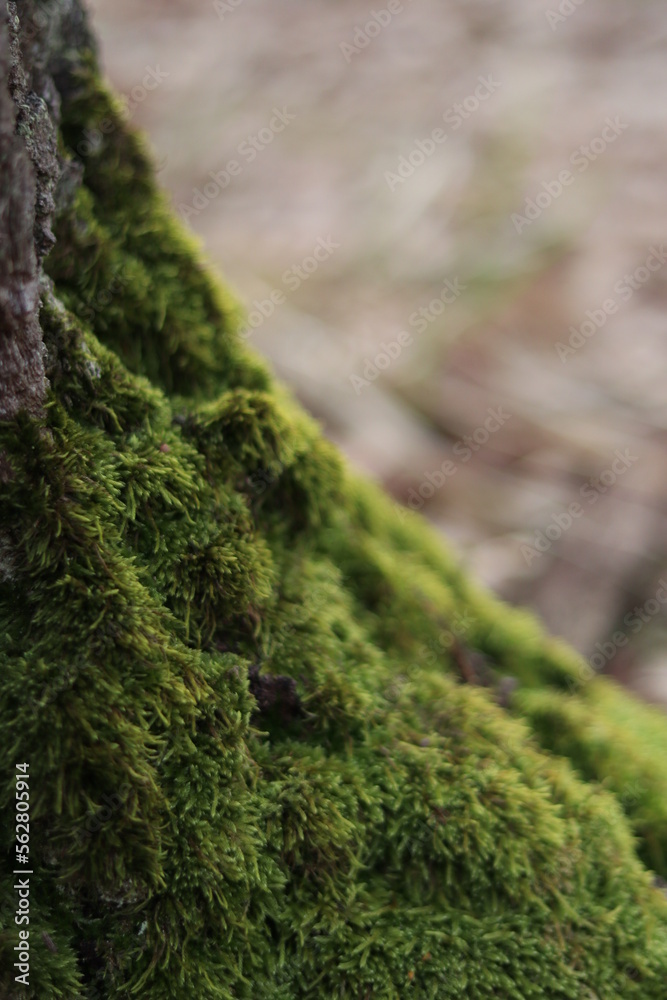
272, 751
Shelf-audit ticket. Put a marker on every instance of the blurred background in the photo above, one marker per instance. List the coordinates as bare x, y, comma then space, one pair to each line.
446, 218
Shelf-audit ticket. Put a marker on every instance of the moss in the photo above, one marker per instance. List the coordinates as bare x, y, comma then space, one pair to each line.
608, 735
271, 753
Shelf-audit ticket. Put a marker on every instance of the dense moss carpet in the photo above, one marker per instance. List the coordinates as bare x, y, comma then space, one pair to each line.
274, 749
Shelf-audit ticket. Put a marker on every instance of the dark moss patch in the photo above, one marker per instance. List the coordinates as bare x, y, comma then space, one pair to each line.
261, 708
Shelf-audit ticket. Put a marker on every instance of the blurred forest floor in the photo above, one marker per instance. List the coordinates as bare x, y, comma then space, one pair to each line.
521, 92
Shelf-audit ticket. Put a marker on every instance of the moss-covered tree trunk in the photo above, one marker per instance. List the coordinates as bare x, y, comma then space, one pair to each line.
277, 745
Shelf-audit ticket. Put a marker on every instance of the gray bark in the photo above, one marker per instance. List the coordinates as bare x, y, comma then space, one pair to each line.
37, 44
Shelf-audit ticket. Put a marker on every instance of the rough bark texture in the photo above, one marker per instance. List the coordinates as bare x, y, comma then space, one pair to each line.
28, 166
279, 746
37, 43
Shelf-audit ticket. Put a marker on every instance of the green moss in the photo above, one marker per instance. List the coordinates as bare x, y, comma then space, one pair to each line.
261, 707
608, 735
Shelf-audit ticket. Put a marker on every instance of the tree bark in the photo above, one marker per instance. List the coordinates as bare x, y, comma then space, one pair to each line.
271, 731
37, 42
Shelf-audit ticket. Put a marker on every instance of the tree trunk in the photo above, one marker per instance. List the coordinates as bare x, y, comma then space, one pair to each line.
273, 744
22, 382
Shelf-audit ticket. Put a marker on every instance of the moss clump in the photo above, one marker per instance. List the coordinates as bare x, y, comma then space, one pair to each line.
261, 710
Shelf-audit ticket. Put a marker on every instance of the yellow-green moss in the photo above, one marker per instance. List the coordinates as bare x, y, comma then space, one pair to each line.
259, 767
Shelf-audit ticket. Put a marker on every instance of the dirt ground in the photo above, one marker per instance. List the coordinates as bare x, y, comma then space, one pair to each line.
447, 222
